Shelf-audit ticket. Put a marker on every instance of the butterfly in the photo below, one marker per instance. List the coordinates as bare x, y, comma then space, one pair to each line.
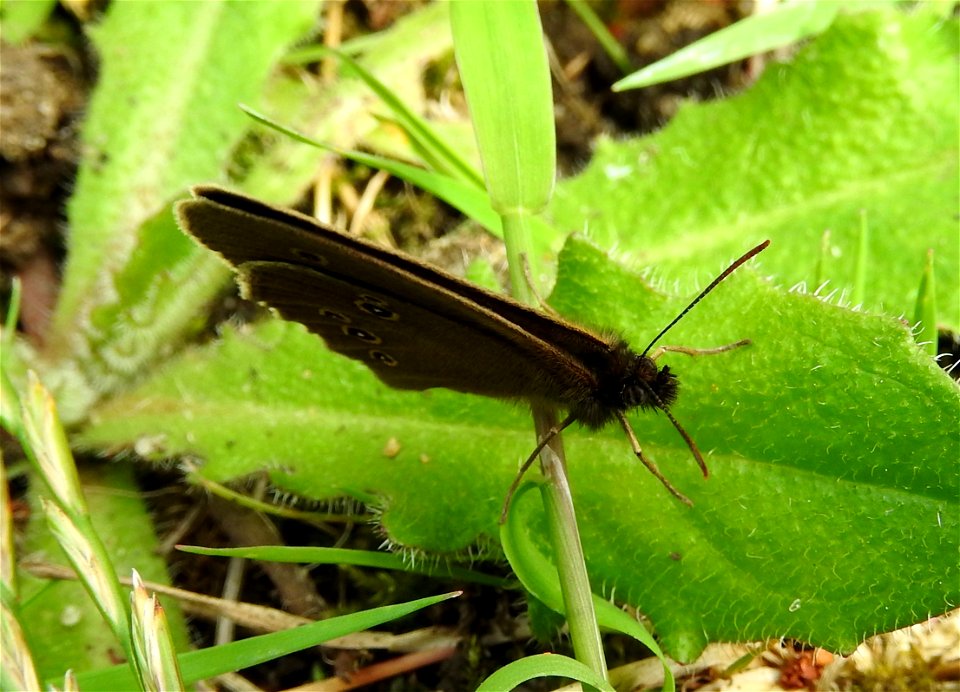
417, 327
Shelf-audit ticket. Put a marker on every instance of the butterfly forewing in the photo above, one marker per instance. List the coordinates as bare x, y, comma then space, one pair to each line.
243, 230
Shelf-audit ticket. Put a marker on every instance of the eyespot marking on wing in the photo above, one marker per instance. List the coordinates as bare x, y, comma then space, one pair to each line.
361, 334
335, 316
308, 256
378, 307
384, 358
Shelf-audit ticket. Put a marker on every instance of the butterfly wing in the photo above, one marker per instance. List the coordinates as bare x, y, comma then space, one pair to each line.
414, 326
405, 343
241, 243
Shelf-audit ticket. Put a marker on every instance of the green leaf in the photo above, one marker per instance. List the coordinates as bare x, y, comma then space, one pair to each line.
610, 45
341, 556
779, 26
148, 135
833, 450
862, 121
503, 67
830, 436
208, 663
518, 672
470, 200
516, 134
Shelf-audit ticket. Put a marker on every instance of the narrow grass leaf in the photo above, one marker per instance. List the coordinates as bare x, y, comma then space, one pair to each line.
518, 672
465, 197
784, 24
207, 663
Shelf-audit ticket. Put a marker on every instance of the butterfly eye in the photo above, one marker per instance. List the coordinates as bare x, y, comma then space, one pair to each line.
384, 358
334, 316
376, 307
361, 334
310, 256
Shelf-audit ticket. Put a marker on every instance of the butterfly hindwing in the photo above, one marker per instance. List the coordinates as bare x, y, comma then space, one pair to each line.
408, 344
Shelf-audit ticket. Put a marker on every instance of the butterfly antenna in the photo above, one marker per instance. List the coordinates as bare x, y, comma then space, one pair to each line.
713, 284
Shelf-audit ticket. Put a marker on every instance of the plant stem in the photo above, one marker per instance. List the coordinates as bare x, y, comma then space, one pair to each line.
565, 538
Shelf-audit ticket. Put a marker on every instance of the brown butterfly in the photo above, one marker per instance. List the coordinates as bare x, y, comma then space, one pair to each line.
417, 327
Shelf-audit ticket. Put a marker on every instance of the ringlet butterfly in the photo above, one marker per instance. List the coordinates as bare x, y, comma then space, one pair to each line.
417, 327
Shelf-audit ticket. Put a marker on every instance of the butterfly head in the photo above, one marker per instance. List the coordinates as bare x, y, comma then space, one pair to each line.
625, 380
648, 386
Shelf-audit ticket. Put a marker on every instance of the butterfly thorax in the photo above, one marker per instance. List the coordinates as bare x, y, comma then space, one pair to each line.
625, 381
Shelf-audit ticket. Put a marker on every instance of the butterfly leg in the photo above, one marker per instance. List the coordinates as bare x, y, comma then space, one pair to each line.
651, 467
528, 277
549, 435
660, 350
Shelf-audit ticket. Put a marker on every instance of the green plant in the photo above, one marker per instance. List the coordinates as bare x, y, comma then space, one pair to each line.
832, 439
